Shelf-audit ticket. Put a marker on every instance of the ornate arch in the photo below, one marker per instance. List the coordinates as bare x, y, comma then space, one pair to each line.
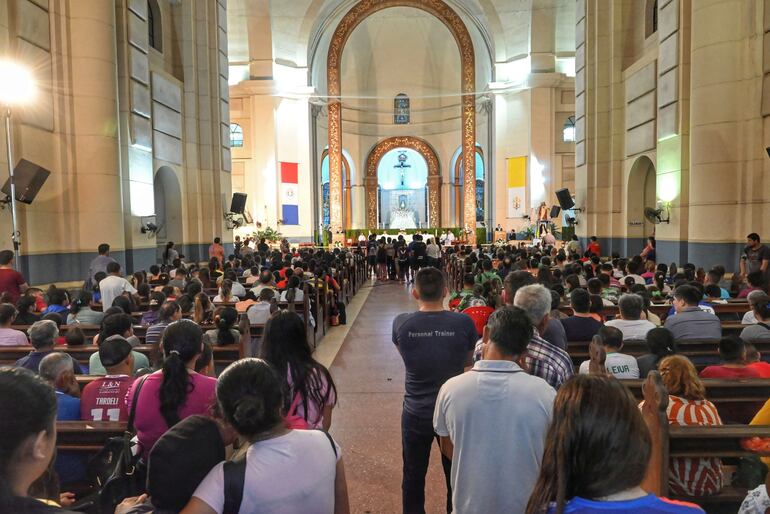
434, 176
454, 23
347, 189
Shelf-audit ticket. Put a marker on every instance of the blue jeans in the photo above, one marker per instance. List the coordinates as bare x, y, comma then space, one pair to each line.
417, 438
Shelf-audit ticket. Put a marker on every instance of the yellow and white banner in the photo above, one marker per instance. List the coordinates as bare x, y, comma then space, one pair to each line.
517, 186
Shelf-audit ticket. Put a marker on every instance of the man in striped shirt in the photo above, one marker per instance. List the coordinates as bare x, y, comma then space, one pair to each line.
542, 358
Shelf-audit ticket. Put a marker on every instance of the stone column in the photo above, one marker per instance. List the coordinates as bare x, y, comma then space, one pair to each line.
727, 149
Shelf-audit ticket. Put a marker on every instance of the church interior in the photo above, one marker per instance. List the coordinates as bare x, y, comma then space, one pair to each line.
258, 256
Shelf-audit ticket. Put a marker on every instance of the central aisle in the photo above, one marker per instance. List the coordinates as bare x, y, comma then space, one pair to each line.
369, 374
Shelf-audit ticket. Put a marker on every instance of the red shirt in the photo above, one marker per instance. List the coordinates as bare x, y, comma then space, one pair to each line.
104, 399
594, 249
762, 367
725, 372
10, 280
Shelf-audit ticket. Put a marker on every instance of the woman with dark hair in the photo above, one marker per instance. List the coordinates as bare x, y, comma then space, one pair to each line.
225, 319
203, 309
544, 276
28, 407
205, 363
151, 315
312, 394
285, 470
121, 325
81, 312
215, 269
293, 292
125, 303
204, 276
170, 254
660, 343
26, 308
659, 280
594, 415
176, 391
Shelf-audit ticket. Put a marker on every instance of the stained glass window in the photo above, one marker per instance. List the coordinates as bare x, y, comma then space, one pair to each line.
401, 113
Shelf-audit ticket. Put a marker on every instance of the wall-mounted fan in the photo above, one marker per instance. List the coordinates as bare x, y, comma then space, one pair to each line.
655, 216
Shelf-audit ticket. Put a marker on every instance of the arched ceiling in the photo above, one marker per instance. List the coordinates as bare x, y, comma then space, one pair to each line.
296, 32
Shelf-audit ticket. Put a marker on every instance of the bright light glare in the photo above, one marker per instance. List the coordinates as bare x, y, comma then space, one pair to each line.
17, 85
668, 189
566, 65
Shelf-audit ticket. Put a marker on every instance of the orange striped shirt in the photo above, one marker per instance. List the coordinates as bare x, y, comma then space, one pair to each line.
688, 476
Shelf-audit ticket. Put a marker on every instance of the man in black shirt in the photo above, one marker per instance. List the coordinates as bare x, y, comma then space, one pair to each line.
756, 256
581, 326
435, 345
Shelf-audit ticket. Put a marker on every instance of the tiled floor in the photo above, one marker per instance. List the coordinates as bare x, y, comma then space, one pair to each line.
369, 375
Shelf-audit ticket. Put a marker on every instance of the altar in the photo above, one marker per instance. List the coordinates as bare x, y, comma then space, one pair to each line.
403, 192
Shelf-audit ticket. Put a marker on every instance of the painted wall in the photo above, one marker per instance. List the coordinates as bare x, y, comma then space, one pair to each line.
110, 112
690, 98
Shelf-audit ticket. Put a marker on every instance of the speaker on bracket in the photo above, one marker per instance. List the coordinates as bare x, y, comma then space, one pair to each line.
238, 204
555, 210
28, 178
565, 199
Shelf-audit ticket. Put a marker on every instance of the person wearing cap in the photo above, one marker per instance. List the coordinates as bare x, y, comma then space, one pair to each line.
104, 398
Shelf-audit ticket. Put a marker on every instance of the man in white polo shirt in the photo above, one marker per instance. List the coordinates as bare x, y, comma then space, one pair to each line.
492, 421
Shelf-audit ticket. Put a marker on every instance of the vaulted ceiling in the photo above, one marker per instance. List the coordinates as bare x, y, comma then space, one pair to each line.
296, 33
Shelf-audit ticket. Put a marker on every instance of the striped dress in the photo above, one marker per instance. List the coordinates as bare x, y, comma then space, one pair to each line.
693, 476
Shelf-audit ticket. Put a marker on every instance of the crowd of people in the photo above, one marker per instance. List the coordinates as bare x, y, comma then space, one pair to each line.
518, 428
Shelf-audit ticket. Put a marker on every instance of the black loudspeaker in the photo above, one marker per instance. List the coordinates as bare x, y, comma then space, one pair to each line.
555, 210
768, 151
28, 178
238, 204
565, 199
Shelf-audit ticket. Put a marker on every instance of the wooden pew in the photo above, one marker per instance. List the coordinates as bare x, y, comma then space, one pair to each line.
692, 441
86, 436
720, 391
84, 380
701, 351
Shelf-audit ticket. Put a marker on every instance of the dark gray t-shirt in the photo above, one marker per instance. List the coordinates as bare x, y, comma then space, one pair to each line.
755, 257
435, 347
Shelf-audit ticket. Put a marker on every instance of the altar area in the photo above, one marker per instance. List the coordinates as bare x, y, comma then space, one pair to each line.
402, 193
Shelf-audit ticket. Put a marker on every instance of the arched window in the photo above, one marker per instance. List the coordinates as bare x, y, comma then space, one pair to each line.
347, 192
154, 25
568, 132
401, 112
236, 136
480, 185
651, 18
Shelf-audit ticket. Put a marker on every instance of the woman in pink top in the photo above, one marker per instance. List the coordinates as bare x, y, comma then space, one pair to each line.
310, 386
9, 336
176, 391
